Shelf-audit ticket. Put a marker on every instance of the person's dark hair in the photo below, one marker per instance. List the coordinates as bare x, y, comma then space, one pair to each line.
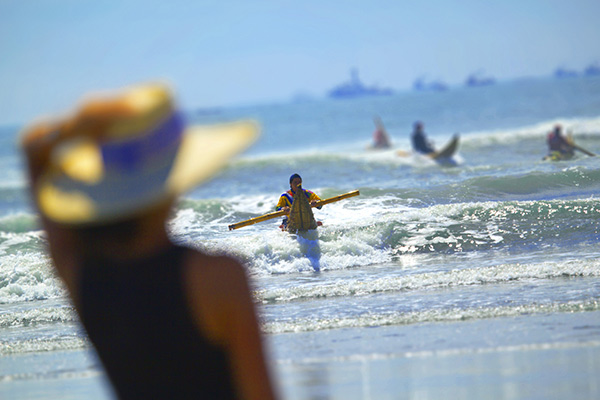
294, 176
93, 238
98, 240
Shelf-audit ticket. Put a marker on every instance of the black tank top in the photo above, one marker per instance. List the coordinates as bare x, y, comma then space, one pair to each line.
138, 319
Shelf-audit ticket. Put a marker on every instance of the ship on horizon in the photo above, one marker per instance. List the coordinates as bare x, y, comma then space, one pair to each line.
355, 88
420, 84
477, 78
592, 69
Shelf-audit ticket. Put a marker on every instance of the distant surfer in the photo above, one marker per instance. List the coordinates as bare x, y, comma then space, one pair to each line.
381, 139
419, 140
559, 146
287, 198
421, 145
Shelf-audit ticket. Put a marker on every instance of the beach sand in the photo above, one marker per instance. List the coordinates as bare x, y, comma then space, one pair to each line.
546, 356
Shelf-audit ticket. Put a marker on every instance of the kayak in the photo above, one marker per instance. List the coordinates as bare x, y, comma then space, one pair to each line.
558, 156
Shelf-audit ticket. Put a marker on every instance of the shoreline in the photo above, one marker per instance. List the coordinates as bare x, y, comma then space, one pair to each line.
545, 356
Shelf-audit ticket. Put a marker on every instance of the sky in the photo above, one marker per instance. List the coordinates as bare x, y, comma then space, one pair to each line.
243, 52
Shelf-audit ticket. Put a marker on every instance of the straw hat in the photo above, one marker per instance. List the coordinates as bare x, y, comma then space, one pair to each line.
125, 153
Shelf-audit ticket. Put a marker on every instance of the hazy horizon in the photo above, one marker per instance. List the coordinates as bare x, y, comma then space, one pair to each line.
236, 53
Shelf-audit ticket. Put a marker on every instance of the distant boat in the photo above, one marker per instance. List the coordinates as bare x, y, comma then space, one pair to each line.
593, 69
562, 72
355, 88
437, 86
477, 79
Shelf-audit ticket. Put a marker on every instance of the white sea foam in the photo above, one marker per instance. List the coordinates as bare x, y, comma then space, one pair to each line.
38, 316
537, 131
44, 345
374, 319
28, 276
419, 281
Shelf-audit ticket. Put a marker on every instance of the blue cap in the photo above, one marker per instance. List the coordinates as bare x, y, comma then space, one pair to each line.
294, 176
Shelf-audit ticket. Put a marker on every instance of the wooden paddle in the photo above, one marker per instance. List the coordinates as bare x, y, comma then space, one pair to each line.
276, 214
577, 147
581, 149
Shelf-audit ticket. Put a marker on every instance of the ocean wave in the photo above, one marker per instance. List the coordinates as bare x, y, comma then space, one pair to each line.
585, 130
18, 222
527, 225
576, 181
38, 316
582, 128
28, 276
43, 345
430, 280
375, 319
384, 227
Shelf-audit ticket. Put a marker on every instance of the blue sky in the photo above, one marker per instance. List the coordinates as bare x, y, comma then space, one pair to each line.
221, 53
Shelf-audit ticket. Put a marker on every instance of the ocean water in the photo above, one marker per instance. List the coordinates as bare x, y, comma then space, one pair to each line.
479, 280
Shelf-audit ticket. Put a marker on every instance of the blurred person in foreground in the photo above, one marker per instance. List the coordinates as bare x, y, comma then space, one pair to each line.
167, 321
559, 145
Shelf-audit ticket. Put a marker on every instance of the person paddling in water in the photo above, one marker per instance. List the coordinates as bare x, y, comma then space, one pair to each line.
286, 199
381, 139
558, 143
419, 140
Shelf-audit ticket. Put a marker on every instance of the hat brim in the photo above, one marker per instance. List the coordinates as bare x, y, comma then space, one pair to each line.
203, 151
